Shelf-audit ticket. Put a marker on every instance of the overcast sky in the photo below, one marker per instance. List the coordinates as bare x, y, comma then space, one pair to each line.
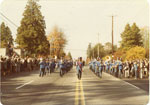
82, 20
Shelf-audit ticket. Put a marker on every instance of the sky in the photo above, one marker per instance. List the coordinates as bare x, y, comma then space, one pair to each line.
82, 20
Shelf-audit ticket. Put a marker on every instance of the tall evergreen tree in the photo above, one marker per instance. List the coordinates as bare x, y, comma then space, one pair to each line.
126, 36
131, 37
136, 35
6, 36
31, 34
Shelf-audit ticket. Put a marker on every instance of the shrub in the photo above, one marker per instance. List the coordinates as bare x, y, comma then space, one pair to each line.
135, 53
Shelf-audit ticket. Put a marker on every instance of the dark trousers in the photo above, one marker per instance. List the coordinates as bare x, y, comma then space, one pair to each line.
79, 74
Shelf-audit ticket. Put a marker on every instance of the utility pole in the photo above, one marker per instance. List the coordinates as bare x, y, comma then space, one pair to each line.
98, 46
92, 50
50, 48
112, 33
89, 53
93, 54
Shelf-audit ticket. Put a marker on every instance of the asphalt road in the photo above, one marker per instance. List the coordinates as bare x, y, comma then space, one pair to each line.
27, 88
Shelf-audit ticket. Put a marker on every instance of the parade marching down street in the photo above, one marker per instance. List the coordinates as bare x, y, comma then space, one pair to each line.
79, 86
50, 53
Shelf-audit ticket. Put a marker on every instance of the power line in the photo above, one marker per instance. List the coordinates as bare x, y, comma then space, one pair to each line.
9, 20
75, 49
66, 48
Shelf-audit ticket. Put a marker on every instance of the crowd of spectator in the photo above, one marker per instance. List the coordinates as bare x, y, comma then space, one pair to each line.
118, 68
9, 65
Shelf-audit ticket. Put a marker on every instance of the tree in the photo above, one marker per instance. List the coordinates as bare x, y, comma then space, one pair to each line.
31, 33
6, 36
126, 36
69, 56
108, 48
62, 53
92, 52
137, 37
131, 37
57, 41
101, 50
135, 53
145, 36
89, 52
120, 54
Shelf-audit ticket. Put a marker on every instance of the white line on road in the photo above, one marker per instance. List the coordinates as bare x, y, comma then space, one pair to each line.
24, 84
132, 85
125, 82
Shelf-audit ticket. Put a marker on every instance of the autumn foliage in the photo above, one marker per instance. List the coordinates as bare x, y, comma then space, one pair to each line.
135, 53
57, 41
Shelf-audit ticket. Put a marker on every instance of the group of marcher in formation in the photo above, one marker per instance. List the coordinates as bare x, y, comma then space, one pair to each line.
48, 65
118, 68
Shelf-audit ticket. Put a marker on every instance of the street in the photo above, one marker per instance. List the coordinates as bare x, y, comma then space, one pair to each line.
78, 52
28, 88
